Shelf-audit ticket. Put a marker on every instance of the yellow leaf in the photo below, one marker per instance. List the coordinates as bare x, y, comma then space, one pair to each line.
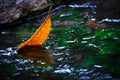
41, 34
32, 49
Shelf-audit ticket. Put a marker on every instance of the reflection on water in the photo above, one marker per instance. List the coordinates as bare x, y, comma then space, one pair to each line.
110, 20
73, 49
37, 53
85, 5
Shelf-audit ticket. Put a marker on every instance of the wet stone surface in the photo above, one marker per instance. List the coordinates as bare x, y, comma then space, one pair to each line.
11, 10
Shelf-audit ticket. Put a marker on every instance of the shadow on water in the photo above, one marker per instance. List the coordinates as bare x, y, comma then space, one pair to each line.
77, 53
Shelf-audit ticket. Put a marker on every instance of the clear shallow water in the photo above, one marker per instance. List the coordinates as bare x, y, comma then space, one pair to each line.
14, 67
66, 54
72, 48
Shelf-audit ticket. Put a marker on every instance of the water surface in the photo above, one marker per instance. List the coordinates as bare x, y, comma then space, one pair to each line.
75, 50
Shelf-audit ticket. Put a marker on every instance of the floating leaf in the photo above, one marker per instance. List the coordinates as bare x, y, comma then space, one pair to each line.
32, 47
39, 37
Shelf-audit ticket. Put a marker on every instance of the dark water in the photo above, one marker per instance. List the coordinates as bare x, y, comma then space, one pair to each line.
77, 53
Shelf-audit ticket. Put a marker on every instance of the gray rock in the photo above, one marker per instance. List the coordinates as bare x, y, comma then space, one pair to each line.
11, 10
